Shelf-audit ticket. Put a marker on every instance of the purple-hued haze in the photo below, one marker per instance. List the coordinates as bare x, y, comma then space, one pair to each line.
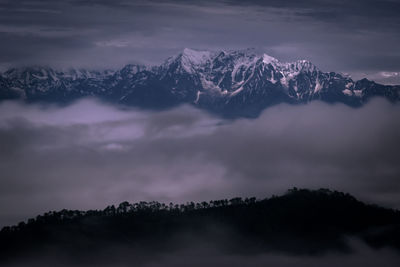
195, 252
89, 155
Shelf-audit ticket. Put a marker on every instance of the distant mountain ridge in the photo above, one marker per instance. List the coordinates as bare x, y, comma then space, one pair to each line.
229, 83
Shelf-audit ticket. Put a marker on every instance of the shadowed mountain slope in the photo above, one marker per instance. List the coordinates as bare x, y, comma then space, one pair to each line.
228, 83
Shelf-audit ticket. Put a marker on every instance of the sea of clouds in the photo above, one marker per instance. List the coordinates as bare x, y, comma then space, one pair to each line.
89, 154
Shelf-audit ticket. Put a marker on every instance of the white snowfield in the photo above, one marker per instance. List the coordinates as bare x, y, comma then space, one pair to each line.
243, 66
226, 74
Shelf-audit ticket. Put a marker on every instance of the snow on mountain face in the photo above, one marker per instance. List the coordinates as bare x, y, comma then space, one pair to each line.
238, 67
232, 73
192, 58
237, 83
269, 60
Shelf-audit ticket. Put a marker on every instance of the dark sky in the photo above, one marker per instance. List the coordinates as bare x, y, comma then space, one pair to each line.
357, 37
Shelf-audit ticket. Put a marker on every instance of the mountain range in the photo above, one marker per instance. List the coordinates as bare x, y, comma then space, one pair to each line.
228, 83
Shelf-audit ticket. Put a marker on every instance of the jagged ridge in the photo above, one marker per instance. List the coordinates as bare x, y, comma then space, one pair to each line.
232, 83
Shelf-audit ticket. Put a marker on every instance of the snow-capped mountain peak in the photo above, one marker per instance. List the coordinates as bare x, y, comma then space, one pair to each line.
190, 59
196, 57
234, 83
267, 59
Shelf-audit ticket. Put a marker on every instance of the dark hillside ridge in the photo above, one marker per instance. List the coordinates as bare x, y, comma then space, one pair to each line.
305, 222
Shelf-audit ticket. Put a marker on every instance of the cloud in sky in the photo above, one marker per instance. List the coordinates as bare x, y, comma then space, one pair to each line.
346, 36
383, 77
90, 155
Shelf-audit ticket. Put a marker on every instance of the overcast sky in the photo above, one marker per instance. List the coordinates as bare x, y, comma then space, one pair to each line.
359, 37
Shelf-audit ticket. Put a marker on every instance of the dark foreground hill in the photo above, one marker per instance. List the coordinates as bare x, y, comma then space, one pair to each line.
301, 222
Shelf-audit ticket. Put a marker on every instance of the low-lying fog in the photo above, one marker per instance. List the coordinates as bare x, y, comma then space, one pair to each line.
89, 155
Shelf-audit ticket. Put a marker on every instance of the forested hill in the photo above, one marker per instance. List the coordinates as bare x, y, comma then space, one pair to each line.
298, 222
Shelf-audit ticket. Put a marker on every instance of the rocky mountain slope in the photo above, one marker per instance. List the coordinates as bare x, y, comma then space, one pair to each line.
229, 83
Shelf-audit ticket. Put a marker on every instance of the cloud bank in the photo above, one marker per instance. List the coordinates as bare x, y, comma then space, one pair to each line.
196, 252
90, 155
